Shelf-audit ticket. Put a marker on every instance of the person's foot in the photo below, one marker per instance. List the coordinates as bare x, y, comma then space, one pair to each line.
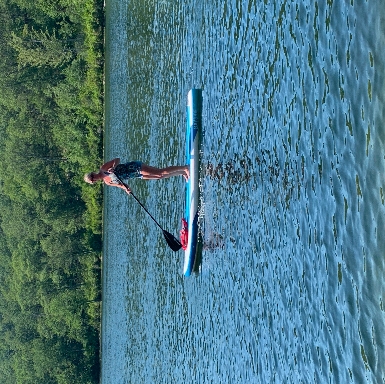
187, 173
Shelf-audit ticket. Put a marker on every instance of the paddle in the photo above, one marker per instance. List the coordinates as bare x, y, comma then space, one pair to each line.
173, 243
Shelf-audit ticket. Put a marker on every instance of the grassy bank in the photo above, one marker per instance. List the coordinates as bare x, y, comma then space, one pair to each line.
51, 123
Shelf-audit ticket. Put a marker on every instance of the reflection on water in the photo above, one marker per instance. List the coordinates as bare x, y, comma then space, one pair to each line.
290, 287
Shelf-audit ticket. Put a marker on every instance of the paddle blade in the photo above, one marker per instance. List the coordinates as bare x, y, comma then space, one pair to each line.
172, 242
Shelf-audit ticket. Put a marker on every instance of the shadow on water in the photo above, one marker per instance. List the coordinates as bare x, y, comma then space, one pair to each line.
251, 181
265, 168
214, 241
198, 257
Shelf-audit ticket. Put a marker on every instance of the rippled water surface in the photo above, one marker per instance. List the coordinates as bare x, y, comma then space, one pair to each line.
291, 285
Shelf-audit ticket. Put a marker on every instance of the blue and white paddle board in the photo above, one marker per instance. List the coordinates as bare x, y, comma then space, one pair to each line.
193, 137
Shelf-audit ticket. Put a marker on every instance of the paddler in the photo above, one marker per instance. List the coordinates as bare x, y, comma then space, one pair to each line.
112, 170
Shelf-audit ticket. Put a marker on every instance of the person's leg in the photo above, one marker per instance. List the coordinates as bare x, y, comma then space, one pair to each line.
151, 173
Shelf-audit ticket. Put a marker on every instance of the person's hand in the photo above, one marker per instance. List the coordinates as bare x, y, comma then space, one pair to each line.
128, 190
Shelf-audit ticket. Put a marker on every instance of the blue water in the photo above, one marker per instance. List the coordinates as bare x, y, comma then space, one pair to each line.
291, 286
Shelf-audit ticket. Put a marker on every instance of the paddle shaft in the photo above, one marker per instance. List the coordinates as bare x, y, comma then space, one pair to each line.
173, 243
149, 214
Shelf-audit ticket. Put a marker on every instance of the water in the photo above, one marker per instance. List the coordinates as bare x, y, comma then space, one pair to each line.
291, 285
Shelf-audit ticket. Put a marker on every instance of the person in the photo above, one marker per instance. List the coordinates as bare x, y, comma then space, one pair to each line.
110, 171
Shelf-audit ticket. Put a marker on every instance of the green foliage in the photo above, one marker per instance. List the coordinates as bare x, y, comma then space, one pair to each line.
40, 49
51, 120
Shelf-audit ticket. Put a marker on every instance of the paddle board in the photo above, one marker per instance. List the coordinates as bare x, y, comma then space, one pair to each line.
193, 137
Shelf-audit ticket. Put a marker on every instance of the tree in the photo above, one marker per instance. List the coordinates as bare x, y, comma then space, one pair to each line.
40, 49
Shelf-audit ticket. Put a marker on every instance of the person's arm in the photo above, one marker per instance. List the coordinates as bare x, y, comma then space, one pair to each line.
125, 187
119, 185
110, 165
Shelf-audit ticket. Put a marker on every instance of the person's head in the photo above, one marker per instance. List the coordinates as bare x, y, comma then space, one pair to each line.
89, 178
